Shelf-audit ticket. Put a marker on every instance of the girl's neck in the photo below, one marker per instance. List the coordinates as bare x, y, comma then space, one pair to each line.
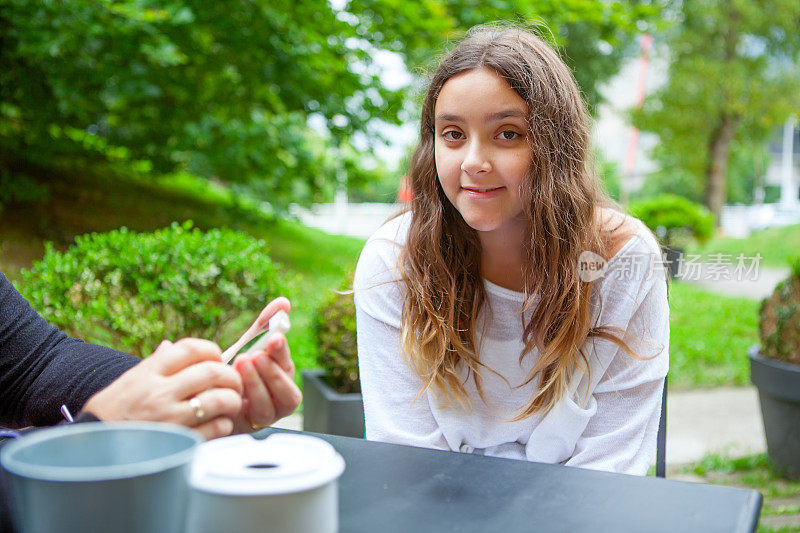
502, 257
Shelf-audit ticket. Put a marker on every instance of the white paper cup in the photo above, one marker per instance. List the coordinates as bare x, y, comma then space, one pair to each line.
285, 483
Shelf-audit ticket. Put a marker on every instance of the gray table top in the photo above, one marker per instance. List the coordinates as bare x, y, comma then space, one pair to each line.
388, 488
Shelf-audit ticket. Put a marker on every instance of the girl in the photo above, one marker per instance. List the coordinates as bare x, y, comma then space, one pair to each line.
510, 312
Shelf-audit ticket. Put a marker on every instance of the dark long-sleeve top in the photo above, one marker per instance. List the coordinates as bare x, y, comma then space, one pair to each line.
42, 368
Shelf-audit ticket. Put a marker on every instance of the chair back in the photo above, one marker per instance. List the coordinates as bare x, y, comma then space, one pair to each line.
661, 439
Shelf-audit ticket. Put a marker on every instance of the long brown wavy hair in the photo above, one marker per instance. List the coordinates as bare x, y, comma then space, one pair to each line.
440, 264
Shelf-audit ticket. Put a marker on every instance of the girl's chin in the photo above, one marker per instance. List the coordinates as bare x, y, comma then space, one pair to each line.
481, 224
485, 224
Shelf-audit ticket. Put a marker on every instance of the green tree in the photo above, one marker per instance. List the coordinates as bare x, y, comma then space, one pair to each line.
733, 79
594, 35
225, 89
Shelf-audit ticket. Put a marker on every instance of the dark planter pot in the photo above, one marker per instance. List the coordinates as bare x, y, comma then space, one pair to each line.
778, 386
672, 260
327, 411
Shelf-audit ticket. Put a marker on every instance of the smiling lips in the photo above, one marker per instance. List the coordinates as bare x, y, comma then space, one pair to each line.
482, 192
481, 189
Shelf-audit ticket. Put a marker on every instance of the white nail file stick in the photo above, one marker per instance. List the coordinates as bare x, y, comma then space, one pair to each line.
278, 322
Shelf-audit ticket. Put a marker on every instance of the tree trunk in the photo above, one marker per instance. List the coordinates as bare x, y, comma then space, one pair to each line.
719, 149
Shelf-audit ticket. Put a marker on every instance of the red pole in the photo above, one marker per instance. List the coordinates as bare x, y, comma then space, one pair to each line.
404, 194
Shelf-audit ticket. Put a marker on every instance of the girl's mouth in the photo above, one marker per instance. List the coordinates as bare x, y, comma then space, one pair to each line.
482, 192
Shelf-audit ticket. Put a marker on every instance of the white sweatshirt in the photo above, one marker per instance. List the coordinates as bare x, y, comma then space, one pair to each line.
608, 422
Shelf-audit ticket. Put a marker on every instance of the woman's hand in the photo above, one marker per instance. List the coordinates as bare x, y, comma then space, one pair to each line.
268, 377
183, 382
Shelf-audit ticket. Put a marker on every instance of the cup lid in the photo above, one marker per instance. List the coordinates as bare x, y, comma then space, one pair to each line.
282, 463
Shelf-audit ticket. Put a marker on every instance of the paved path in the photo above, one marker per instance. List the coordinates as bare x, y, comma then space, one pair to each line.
293, 421
355, 220
722, 420
722, 279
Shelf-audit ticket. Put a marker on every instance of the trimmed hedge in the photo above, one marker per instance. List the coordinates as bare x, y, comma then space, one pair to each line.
130, 290
335, 328
674, 219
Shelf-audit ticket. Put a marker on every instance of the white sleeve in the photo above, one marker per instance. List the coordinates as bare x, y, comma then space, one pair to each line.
621, 436
388, 385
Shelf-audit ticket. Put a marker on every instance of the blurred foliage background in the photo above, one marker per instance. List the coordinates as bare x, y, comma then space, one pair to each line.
226, 91
286, 101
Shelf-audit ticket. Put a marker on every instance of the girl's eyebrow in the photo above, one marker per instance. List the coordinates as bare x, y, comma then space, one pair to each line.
508, 113
500, 115
448, 117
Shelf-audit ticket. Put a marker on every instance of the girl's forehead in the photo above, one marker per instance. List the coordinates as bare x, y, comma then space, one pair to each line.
479, 93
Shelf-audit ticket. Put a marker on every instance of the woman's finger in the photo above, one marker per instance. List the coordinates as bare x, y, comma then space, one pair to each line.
278, 350
214, 429
209, 405
174, 357
202, 376
285, 394
260, 408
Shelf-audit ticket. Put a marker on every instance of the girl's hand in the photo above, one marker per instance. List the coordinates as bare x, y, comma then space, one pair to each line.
268, 377
184, 382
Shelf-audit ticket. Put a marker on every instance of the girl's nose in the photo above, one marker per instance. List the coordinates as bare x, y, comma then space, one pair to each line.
476, 160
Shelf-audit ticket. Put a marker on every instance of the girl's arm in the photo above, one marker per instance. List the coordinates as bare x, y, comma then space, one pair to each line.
388, 384
621, 436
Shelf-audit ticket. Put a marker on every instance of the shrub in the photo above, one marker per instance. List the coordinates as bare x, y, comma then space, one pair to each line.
335, 328
131, 290
779, 324
675, 220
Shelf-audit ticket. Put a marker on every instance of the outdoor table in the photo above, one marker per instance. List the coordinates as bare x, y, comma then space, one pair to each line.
388, 487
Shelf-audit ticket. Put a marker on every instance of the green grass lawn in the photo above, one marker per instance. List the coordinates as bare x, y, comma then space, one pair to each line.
709, 337
774, 244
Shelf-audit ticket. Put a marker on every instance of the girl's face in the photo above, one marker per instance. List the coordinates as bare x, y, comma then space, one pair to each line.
481, 149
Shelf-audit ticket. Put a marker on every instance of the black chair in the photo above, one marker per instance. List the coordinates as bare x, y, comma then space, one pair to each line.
661, 439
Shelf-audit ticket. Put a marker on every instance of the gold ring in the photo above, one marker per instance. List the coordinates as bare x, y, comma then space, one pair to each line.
199, 413
254, 426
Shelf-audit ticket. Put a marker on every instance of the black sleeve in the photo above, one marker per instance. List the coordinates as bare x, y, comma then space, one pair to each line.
42, 368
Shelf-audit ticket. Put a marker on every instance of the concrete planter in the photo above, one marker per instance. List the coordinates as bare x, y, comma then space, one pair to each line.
778, 386
327, 411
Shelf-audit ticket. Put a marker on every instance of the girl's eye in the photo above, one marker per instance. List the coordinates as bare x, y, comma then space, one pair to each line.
453, 135
509, 135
